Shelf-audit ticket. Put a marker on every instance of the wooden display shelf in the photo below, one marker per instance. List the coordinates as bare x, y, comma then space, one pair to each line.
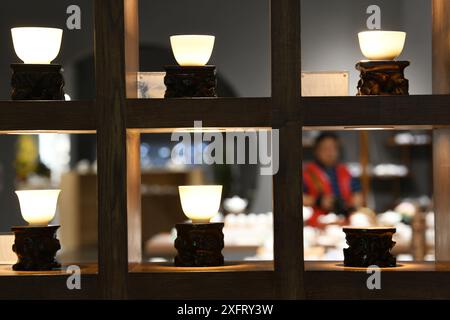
411, 280
47, 116
47, 284
147, 114
119, 220
390, 112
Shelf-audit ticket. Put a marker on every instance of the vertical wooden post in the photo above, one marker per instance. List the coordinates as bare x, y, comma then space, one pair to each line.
133, 136
441, 137
441, 46
288, 221
134, 197
111, 147
441, 183
364, 160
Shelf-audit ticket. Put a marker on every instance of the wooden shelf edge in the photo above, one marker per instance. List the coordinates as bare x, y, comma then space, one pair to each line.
377, 111
85, 268
47, 284
402, 266
229, 267
198, 285
42, 287
213, 112
420, 280
47, 116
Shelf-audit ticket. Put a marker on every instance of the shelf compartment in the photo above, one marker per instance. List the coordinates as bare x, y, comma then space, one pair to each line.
148, 114
391, 112
411, 280
47, 284
244, 280
47, 116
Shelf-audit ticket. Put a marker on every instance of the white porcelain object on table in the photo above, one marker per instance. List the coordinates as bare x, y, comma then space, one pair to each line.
35, 45
381, 45
200, 203
192, 50
38, 207
235, 204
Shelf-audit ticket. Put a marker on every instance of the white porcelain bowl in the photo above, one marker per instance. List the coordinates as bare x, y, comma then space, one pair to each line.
192, 50
381, 45
37, 45
200, 203
38, 207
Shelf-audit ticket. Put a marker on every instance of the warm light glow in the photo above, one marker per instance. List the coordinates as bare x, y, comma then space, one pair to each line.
200, 203
381, 45
38, 207
37, 45
192, 50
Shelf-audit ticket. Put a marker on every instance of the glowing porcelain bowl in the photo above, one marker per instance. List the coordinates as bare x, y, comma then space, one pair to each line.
38, 207
200, 203
381, 45
192, 50
37, 45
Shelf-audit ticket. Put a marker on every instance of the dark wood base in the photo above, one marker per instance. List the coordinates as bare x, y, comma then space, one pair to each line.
369, 246
37, 82
36, 248
183, 82
382, 78
199, 245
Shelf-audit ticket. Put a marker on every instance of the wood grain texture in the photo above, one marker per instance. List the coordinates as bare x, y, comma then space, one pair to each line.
441, 186
376, 111
224, 285
329, 280
134, 216
47, 288
19, 285
441, 137
111, 147
364, 159
441, 47
131, 46
133, 137
286, 91
181, 113
47, 116
230, 266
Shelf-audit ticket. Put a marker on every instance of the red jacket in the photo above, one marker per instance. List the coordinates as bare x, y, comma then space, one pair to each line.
318, 184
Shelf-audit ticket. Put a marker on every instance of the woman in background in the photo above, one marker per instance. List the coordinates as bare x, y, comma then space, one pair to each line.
327, 184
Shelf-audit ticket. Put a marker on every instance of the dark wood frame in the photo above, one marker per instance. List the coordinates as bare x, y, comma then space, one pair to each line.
119, 118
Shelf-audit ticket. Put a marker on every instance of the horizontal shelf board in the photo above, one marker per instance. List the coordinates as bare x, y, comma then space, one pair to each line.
251, 280
411, 280
402, 266
47, 284
238, 266
47, 116
7, 271
213, 112
384, 111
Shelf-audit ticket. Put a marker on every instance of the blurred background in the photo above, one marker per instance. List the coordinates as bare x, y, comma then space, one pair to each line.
391, 170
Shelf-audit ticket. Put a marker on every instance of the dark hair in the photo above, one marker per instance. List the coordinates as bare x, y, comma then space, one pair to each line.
323, 136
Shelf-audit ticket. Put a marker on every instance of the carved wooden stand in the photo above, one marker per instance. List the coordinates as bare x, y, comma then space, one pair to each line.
195, 81
199, 245
369, 246
382, 78
37, 82
36, 248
